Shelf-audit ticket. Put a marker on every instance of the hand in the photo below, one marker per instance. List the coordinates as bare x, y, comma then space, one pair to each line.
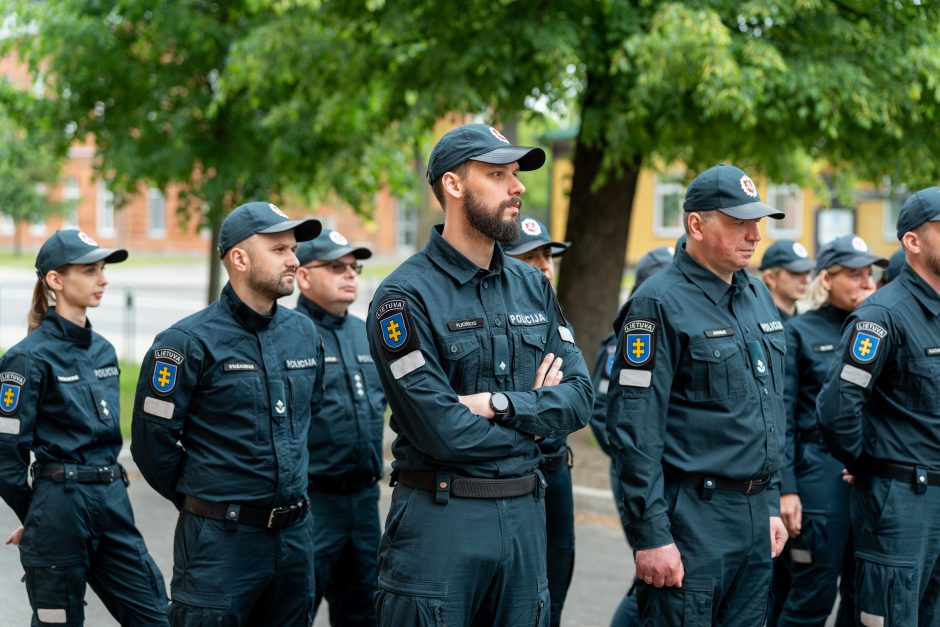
848, 478
661, 566
15, 535
778, 536
479, 404
549, 372
791, 511
862, 295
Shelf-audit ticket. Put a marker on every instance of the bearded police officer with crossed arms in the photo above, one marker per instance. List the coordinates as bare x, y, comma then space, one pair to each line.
695, 417
461, 334
879, 412
223, 405
346, 435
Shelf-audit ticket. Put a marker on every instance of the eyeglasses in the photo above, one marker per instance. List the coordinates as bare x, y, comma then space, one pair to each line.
338, 267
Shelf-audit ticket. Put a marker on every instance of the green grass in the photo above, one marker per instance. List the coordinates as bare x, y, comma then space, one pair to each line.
129, 374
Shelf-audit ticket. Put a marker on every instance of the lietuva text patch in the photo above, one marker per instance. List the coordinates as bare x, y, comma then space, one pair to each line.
165, 366
866, 340
639, 334
394, 324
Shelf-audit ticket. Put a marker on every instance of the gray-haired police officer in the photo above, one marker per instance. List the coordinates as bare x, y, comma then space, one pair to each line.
59, 398
695, 416
223, 405
879, 412
785, 269
535, 247
345, 435
461, 334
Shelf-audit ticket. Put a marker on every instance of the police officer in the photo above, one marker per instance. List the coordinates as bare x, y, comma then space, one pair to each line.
464, 337
879, 412
785, 269
535, 247
895, 265
345, 435
223, 405
59, 399
695, 416
626, 614
814, 501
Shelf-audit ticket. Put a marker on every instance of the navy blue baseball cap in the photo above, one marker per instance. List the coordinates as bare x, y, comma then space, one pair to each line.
262, 217
479, 142
71, 246
533, 234
329, 245
786, 254
652, 262
849, 251
895, 265
921, 206
729, 190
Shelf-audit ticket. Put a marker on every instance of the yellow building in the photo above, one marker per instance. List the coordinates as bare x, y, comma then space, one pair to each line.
657, 210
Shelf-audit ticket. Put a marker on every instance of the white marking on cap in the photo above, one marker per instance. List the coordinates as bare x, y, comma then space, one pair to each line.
498, 135
531, 227
799, 250
748, 186
275, 209
338, 239
87, 240
859, 244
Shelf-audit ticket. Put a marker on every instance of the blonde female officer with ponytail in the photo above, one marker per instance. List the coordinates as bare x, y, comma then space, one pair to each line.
59, 399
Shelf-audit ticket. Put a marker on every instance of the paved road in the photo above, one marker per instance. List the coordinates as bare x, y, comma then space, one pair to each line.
602, 570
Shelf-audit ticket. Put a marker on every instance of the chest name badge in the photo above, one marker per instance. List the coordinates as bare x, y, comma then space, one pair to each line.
725, 332
330, 359
470, 323
824, 348
365, 359
238, 366
866, 341
391, 316
933, 351
68, 378
638, 347
771, 327
11, 383
165, 367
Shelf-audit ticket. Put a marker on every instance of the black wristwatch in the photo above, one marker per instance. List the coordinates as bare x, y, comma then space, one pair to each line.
501, 406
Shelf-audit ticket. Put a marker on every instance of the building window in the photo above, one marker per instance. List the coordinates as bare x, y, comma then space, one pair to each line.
7, 226
105, 211
406, 225
71, 195
787, 198
667, 207
892, 207
156, 214
37, 227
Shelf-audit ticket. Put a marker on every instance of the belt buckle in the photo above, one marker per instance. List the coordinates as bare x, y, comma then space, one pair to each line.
752, 484
274, 514
106, 473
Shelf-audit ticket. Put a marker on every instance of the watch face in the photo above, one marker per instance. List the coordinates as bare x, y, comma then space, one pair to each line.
499, 402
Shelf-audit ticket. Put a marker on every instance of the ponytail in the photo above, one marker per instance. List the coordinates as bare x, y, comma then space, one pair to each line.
42, 295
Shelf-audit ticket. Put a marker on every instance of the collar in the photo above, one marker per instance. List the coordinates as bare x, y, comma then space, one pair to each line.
243, 314
318, 313
710, 283
68, 330
917, 286
834, 313
453, 262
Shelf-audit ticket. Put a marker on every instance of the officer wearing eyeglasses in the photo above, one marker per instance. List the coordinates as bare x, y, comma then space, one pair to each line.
345, 439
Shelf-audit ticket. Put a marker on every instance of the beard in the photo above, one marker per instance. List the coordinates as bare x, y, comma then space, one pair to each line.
269, 284
491, 223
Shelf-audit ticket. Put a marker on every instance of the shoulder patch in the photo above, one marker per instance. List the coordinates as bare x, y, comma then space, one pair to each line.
11, 385
611, 356
394, 324
639, 342
866, 340
165, 367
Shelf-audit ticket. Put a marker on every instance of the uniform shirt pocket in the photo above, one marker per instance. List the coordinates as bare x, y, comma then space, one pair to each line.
777, 348
718, 371
530, 347
460, 359
925, 384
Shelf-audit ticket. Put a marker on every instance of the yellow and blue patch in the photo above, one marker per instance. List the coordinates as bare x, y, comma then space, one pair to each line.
9, 397
638, 342
866, 341
393, 324
165, 370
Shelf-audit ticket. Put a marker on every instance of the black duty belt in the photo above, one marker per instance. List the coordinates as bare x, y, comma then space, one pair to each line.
341, 485
275, 518
814, 437
915, 475
557, 461
60, 473
708, 483
468, 487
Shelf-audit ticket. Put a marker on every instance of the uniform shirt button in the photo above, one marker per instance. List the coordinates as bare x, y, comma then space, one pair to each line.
543, 339
499, 322
453, 348
717, 353
766, 392
485, 285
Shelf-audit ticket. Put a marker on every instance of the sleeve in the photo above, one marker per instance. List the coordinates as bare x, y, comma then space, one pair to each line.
601, 382
868, 343
561, 409
169, 377
791, 388
638, 404
21, 387
425, 406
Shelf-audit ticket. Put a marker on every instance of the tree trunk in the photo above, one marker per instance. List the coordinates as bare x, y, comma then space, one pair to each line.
598, 225
215, 266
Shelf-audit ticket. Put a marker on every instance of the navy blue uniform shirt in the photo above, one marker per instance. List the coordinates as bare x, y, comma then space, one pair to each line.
812, 338
440, 326
59, 397
696, 385
346, 434
224, 403
881, 398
